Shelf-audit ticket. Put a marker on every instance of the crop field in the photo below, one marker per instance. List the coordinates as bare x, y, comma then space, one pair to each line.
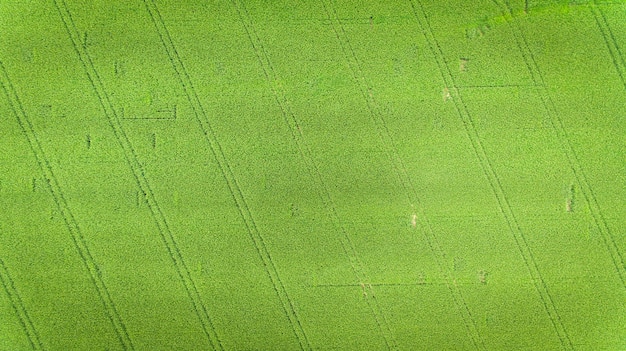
313, 175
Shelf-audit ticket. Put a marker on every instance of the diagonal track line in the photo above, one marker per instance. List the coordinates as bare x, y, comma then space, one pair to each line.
201, 117
18, 306
566, 144
70, 222
611, 42
494, 182
306, 154
400, 169
335, 23
138, 172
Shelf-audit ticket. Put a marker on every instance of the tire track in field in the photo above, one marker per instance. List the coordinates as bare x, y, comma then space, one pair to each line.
611, 43
402, 174
20, 310
493, 179
138, 172
70, 222
235, 190
565, 142
306, 154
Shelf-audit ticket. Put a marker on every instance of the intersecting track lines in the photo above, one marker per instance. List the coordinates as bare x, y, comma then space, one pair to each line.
563, 138
402, 174
306, 154
610, 41
235, 190
20, 310
70, 222
494, 182
138, 172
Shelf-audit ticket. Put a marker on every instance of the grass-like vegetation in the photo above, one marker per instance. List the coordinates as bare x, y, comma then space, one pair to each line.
312, 175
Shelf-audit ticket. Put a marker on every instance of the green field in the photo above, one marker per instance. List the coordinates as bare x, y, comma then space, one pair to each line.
313, 175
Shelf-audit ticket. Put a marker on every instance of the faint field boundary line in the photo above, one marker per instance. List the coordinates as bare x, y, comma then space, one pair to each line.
22, 314
235, 190
402, 174
306, 154
611, 42
493, 179
566, 144
70, 222
165, 233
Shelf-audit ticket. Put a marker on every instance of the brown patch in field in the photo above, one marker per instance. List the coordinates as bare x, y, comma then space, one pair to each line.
482, 276
421, 279
568, 205
463, 64
446, 94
